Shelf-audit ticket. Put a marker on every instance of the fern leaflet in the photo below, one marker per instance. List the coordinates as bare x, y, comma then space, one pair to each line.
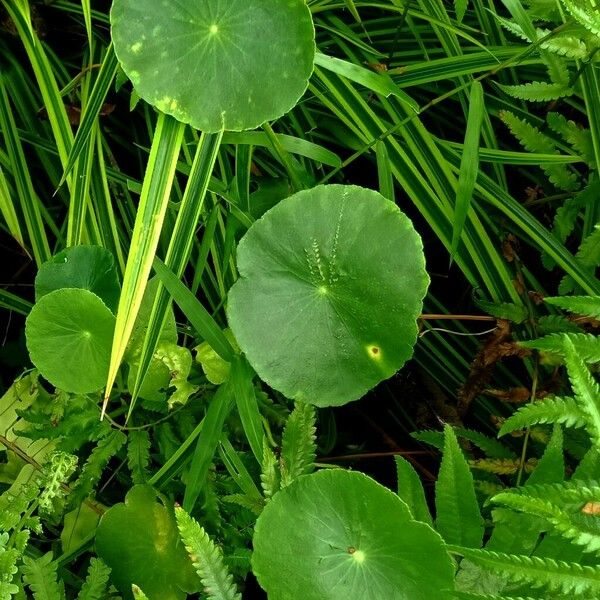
40, 575
94, 586
549, 410
553, 575
298, 447
207, 558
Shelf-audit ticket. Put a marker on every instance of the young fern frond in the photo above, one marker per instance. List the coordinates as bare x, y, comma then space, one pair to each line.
95, 584
589, 257
207, 558
107, 447
549, 410
8, 568
586, 12
566, 492
588, 306
502, 466
537, 91
298, 448
58, 471
533, 140
585, 388
458, 516
553, 575
40, 575
138, 454
587, 346
269, 476
580, 139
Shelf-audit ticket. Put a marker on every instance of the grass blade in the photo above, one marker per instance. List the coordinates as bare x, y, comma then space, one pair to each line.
180, 246
469, 165
156, 189
218, 410
197, 315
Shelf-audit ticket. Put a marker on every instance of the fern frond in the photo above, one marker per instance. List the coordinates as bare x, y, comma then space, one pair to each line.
586, 12
470, 596
490, 446
207, 558
588, 306
58, 471
40, 575
92, 470
537, 91
8, 565
533, 140
549, 324
589, 257
586, 389
566, 216
138, 454
458, 515
580, 139
566, 492
94, 586
251, 503
269, 476
578, 527
298, 448
587, 346
502, 466
549, 410
537, 572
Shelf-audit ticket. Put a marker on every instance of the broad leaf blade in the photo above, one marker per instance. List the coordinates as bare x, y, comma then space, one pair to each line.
459, 519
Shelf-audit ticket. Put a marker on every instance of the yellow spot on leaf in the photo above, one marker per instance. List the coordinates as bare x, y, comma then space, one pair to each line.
374, 352
137, 47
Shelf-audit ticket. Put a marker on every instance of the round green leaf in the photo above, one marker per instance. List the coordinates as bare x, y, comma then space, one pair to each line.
337, 534
139, 541
216, 64
331, 284
69, 336
86, 267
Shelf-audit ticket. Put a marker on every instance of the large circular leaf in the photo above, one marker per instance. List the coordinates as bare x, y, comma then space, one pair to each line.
216, 64
69, 337
86, 267
331, 284
335, 535
139, 541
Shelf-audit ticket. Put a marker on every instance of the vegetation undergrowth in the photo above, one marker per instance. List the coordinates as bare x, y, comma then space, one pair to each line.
247, 240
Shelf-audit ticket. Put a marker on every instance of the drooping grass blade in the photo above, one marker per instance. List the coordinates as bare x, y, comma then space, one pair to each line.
156, 190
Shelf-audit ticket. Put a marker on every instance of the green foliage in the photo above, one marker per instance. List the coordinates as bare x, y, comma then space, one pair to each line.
95, 584
40, 575
458, 517
298, 447
207, 558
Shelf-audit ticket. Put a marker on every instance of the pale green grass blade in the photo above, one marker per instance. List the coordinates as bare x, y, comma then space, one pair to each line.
180, 246
57, 116
469, 165
160, 173
29, 202
87, 17
103, 208
9, 214
510, 157
92, 108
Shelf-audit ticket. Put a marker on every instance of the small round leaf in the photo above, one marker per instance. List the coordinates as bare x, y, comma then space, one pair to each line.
331, 284
69, 336
139, 541
87, 267
337, 534
216, 64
